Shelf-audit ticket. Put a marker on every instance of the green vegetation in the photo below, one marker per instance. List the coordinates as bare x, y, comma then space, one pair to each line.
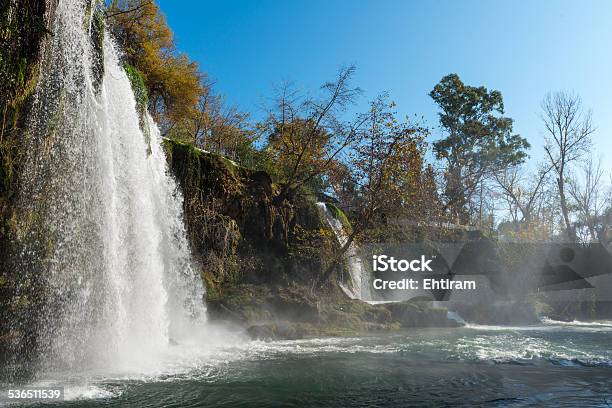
138, 87
479, 140
20, 37
339, 215
141, 95
172, 79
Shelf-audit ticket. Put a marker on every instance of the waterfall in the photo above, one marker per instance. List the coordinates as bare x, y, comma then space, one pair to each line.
452, 315
103, 218
359, 285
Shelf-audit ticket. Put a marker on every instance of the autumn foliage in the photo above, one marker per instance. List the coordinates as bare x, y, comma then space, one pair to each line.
173, 80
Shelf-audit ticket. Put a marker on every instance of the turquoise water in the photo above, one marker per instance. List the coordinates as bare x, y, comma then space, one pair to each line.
553, 364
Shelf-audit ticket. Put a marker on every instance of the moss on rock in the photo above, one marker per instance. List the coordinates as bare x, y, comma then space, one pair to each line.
24, 28
338, 214
141, 94
238, 231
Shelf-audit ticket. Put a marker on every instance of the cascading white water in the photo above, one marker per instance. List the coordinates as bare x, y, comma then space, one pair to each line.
359, 286
105, 214
452, 315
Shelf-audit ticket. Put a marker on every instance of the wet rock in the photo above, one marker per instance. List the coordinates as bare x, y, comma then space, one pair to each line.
284, 331
420, 314
499, 313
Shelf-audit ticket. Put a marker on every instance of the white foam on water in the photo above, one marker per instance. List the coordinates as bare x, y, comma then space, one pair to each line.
578, 323
89, 392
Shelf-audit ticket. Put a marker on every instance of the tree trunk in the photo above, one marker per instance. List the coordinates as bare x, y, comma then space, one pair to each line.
592, 232
571, 233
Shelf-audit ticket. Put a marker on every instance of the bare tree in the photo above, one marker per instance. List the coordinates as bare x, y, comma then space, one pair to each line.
568, 128
308, 134
604, 227
588, 195
521, 194
214, 125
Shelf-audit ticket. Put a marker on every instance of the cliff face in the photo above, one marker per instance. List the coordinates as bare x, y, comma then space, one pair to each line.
238, 234
25, 26
24, 30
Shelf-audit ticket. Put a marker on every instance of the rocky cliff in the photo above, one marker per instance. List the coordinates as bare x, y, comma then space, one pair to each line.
24, 31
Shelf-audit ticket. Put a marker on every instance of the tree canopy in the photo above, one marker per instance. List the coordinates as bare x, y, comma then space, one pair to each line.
478, 141
174, 81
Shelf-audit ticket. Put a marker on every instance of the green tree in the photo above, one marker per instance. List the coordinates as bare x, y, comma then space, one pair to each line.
478, 140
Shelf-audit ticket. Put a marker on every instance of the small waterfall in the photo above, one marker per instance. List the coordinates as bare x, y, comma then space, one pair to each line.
103, 218
359, 285
452, 315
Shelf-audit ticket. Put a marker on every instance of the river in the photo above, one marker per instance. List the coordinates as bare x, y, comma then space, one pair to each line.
553, 364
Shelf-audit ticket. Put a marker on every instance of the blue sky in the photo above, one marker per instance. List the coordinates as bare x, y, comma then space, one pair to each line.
522, 48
